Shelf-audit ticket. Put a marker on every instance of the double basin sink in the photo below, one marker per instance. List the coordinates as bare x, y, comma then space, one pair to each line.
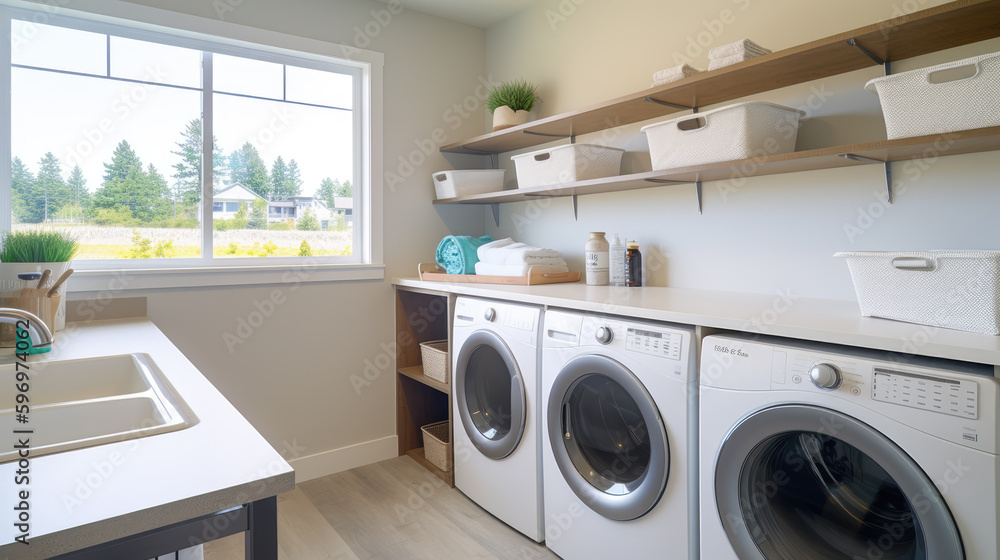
91, 401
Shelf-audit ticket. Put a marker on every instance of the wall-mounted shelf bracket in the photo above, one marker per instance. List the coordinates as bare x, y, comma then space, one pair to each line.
697, 187
573, 197
697, 192
572, 137
886, 65
496, 213
669, 104
494, 157
887, 165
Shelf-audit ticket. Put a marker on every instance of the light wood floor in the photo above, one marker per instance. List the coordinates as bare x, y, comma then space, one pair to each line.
393, 510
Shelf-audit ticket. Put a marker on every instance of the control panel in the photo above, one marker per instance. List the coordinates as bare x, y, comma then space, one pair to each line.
520, 318
655, 343
948, 396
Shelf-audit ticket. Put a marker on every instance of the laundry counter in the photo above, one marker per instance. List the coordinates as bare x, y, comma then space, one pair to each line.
780, 314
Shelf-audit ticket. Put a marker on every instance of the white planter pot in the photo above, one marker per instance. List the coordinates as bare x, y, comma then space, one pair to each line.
505, 117
10, 281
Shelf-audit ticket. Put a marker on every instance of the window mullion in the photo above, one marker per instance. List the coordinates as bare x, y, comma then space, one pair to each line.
207, 155
6, 194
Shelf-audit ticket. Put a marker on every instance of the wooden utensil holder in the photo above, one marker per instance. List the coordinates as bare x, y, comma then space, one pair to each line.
42, 306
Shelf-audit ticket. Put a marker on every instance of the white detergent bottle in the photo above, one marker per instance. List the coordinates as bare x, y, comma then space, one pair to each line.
617, 262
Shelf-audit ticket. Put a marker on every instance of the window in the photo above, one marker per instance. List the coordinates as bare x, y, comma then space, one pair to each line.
107, 137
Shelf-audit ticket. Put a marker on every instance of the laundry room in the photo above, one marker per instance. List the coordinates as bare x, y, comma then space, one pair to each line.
500, 279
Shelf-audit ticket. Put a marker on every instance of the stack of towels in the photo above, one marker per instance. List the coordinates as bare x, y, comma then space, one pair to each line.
505, 257
734, 53
673, 74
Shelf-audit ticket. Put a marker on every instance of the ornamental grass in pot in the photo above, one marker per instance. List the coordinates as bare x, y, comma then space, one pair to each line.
35, 250
510, 103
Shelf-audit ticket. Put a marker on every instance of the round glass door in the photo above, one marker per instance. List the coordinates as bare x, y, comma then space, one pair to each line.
839, 492
607, 437
490, 395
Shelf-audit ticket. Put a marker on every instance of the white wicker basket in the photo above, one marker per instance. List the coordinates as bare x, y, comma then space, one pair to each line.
449, 184
945, 98
729, 133
567, 164
437, 445
434, 355
950, 289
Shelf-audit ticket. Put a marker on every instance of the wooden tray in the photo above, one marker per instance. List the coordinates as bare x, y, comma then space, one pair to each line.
431, 272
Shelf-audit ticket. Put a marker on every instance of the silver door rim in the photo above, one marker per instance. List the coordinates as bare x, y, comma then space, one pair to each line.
941, 536
504, 446
653, 482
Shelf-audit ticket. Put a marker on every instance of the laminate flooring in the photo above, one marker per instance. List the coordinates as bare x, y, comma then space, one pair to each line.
392, 510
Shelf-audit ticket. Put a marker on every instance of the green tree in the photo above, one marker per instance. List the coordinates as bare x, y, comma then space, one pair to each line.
305, 250
295, 177
50, 185
307, 222
187, 172
346, 189
258, 215
248, 169
25, 204
77, 183
279, 175
123, 161
328, 188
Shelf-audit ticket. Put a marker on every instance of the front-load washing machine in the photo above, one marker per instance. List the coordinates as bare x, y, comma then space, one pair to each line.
496, 408
824, 452
620, 464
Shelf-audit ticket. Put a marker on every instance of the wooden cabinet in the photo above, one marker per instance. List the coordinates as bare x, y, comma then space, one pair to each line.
421, 316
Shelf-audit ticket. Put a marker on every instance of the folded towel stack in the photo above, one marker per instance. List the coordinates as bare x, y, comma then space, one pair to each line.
673, 74
457, 253
734, 53
505, 257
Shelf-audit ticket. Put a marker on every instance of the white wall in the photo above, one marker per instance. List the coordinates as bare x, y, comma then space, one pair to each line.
773, 233
291, 379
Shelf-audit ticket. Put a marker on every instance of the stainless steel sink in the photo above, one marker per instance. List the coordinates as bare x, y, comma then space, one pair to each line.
93, 401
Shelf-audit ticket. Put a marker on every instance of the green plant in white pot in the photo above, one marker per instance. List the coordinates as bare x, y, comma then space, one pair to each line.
510, 103
35, 250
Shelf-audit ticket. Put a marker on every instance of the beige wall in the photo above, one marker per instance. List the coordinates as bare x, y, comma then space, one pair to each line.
291, 379
773, 233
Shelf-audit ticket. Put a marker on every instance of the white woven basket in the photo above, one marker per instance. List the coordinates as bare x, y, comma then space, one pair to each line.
948, 97
567, 164
434, 355
437, 445
950, 289
450, 184
729, 133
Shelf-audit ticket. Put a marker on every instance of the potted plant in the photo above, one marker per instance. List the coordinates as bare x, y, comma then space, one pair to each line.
34, 250
510, 103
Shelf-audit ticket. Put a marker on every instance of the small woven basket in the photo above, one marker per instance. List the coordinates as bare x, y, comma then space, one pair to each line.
437, 445
434, 354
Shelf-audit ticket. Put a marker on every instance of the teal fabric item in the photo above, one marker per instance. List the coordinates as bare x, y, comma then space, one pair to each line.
457, 253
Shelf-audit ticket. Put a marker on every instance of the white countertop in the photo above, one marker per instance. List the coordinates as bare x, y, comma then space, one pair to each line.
832, 321
80, 498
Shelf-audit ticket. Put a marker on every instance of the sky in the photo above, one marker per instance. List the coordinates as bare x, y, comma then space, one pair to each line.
84, 128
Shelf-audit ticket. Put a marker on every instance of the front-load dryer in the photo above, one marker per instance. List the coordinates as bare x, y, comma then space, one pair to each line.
813, 451
620, 464
496, 409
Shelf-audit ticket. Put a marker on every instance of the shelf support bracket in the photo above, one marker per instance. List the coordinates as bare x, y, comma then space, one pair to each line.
665, 181
575, 209
887, 166
496, 213
697, 192
669, 104
886, 65
494, 156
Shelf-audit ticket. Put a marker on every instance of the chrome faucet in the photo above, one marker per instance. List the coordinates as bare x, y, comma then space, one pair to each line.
41, 336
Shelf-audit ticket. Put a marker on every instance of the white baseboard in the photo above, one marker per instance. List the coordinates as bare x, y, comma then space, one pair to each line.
337, 460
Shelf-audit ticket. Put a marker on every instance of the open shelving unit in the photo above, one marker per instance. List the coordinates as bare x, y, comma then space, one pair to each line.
942, 27
421, 316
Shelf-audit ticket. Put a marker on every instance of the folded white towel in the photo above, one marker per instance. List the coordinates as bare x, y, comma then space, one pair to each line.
487, 269
483, 250
541, 260
717, 63
674, 73
515, 253
746, 46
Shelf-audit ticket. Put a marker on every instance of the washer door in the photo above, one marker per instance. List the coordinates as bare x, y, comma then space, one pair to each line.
800, 481
607, 437
490, 395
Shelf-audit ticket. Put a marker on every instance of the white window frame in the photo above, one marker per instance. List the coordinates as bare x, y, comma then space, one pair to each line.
145, 23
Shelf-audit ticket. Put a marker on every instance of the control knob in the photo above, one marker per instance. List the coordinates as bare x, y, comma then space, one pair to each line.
490, 314
825, 376
605, 335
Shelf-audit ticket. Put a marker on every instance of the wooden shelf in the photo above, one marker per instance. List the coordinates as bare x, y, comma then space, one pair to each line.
942, 27
418, 456
417, 374
969, 141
